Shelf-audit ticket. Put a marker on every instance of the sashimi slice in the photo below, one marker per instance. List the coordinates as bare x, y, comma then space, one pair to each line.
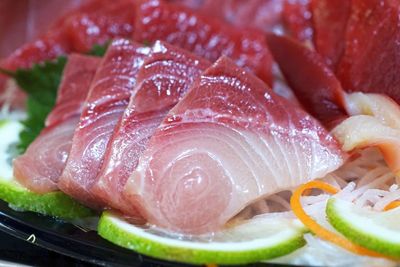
99, 21
296, 16
163, 79
23, 20
41, 165
330, 21
203, 35
264, 15
230, 141
95, 22
372, 54
107, 99
77, 77
313, 83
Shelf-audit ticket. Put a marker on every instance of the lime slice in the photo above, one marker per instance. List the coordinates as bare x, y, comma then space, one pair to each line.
18, 197
377, 231
252, 241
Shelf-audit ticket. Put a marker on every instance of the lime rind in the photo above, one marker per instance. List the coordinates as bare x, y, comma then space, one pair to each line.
120, 232
55, 204
362, 227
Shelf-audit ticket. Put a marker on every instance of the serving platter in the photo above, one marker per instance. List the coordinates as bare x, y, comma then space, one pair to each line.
73, 241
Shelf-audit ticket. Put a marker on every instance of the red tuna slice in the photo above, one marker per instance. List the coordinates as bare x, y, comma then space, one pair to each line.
163, 79
264, 15
296, 16
330, 20
92, 23
23, 20
230, 141
77, 77
372, 55
313, 83
202, 35
100, 21
41, 165
107, 99
47, 47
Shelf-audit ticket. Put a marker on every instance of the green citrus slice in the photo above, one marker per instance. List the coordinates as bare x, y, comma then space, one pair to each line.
377, 231
55, 204
252, 241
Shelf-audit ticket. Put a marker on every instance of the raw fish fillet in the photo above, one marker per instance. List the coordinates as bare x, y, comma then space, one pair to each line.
229, 142
296, 16
205, 36
99, 21
330, 21
164, 78
371, 59
311, 80
95, 22
41, 165
264, 15
107, 99
23, 20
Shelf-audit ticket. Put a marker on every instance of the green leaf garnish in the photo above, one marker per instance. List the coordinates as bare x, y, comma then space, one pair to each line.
99, 50
41, 84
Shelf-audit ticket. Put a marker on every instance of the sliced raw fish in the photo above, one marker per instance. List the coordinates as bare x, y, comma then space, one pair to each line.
107, 99
264, 15
371, 59
77, 77
23, 20
99, 21
230, 141
163, 79
330, 21
203, 35
313, 83
41, 165
296, 16
95, 22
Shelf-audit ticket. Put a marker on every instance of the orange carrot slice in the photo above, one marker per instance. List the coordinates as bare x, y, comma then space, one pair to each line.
318, 229
392, 205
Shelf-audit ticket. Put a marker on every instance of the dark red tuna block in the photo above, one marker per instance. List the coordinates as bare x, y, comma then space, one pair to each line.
371, 60
164, 78
311, 80
41, 165
329, 21
107, 99
205, 36
230, 141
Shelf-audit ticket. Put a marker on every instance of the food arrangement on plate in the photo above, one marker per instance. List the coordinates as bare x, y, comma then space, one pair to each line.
212, 131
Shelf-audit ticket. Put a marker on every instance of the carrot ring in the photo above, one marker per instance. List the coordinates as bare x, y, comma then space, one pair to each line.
318, 229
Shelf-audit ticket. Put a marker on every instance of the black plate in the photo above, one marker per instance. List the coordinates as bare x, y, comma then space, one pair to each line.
69, 240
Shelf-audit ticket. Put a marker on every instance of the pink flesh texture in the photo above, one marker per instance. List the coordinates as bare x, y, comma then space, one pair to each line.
227, 143
205, 36
107, 99
162, 80
41, 165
